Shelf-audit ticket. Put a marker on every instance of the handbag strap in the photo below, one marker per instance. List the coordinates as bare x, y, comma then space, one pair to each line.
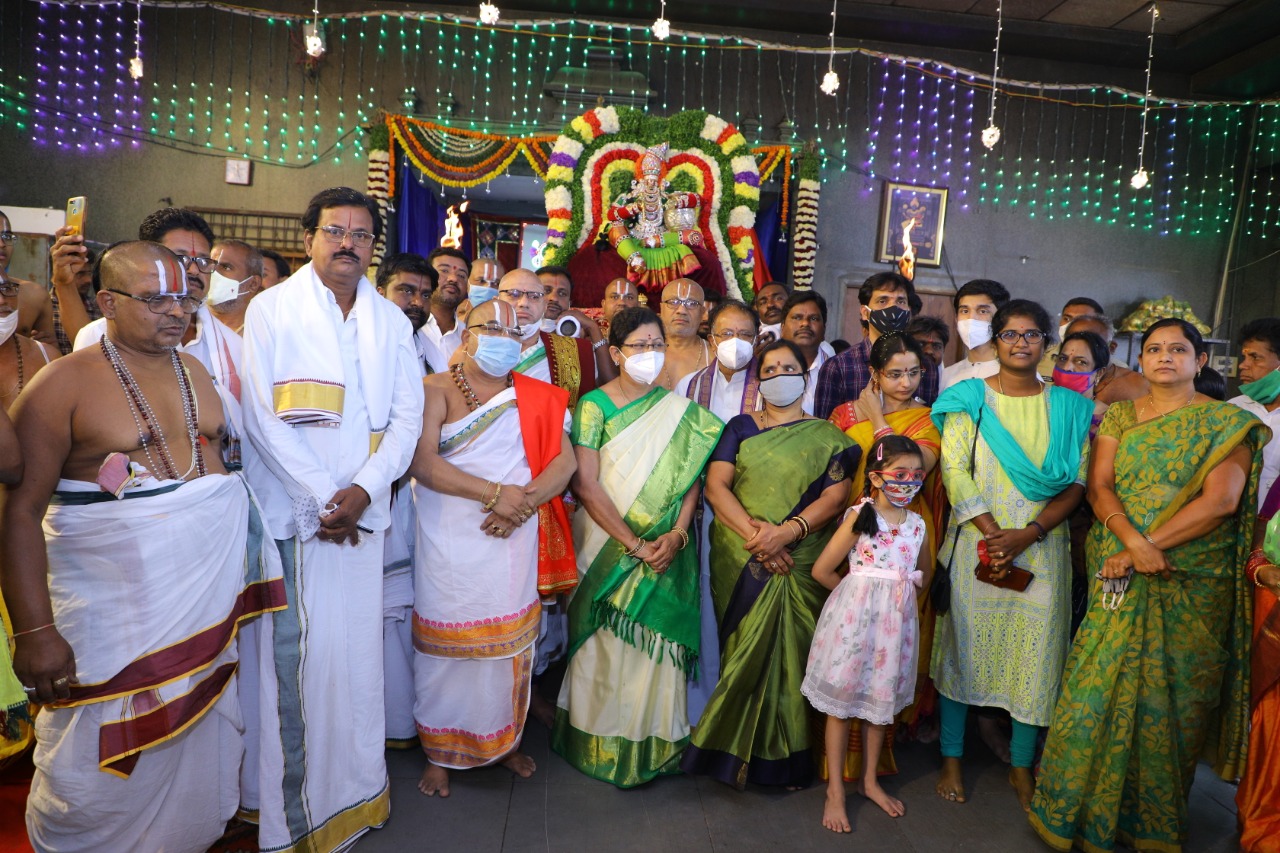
973, 449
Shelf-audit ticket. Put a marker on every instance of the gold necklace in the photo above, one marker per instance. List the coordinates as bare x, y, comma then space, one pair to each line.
1142, 410
1000, 385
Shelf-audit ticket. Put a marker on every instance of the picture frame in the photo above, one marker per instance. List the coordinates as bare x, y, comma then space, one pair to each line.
902, 203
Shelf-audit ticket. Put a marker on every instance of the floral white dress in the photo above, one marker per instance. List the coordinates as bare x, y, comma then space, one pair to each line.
863, 659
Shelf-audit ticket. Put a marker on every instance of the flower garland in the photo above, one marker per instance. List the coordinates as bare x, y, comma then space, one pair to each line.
488, 155
378, 187
805, 243
706, 148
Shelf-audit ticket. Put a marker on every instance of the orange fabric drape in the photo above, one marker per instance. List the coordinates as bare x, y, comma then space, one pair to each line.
542, 408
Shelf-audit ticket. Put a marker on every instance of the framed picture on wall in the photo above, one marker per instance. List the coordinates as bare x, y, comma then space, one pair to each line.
925, 209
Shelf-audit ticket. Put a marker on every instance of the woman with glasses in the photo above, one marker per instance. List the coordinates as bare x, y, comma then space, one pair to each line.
889, 405
777, 481
1014, 455
1158, 676
634, 638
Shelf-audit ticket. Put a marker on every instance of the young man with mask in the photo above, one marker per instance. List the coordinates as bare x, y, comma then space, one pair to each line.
234, 281
887, 302
1260, 389
976, 302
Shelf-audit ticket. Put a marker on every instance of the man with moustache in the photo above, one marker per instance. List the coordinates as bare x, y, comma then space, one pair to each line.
565, 362
770, 303
333, 407
74, 302
442, 332
220, 350
559, 287
618, 294
804, 323
681, 313
125, 610
234, 281
407, 280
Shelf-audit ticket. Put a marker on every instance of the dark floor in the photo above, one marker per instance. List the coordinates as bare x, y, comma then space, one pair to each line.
559, 809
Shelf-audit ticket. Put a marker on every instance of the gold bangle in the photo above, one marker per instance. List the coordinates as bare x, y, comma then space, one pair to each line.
497, 495
1106, 522
684, 537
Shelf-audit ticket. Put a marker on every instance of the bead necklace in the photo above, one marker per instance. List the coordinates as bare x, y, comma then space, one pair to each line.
22, 379
468, 394
146, 422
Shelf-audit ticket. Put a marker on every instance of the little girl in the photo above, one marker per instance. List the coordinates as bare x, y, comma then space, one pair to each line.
863, 659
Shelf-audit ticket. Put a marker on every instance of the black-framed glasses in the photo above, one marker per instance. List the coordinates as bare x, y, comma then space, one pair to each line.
749, 337
8, 237
204, 264
9, 289
1031, 336
336, 234
162, 303
647, 346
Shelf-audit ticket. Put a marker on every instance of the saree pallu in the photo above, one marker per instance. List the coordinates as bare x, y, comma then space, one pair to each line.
930, 503
634, 634
1258, 800
756, 724
1150, 687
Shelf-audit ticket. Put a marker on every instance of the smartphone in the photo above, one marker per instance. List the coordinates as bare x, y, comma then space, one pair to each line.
75, 215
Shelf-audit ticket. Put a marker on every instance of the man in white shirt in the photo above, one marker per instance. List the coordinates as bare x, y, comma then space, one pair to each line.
933, 336
333, 408
976, 303
1260, 390
442, 333
804, 323
409, 282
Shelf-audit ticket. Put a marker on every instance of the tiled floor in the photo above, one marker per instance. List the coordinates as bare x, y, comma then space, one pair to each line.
559, 809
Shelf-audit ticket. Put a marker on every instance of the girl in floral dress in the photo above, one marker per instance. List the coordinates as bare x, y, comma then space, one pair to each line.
862, 663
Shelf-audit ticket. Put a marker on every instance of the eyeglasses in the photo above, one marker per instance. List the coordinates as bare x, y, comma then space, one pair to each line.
895, 375
162, 303
202, 263
8, 237
683, 303
517, 295
336, 234
494, 329
647, 346
1031, 336
9, 289
749, 337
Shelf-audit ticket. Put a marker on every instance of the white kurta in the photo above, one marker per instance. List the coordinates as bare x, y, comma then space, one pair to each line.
966, 369
476, 609
1270, 453
825, 351
321, 776
437, 346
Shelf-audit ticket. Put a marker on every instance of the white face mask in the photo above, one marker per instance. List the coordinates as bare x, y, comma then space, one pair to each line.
734, 353
973, 333
222, 289
548, 325
528, 330
1062, 331
8, 325
644, 367
782, 390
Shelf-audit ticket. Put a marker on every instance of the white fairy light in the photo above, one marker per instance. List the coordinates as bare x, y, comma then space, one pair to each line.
831, 80
661, 27
489, 13
312, 35
991, 135
1140, 177
135, 64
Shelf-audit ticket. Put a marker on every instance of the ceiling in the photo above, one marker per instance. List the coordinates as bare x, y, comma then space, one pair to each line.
1216, 48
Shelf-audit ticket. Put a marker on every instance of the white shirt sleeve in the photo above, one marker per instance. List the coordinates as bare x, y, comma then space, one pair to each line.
395, 451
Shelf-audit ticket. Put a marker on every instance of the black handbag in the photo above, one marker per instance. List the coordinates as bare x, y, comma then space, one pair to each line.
940, 589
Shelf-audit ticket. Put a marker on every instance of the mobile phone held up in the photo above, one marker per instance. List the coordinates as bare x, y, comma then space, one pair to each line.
75, 215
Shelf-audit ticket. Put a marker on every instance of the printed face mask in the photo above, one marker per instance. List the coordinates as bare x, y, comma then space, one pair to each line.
784, 389
1264, 391
899, 492
644, 367
974, 333
1078, 382
734, 353
496, 354
886, 320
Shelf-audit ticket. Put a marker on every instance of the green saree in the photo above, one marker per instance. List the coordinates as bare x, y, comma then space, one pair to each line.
756, 725
1163, 680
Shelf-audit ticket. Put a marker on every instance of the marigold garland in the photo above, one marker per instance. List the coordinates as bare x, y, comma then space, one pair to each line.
468, 171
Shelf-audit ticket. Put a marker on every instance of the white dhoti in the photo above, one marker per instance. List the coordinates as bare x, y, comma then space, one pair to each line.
149, 591
476, 609
397, 621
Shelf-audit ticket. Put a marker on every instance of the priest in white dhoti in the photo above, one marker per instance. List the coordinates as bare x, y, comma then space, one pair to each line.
130, 559
494, 449
333, 409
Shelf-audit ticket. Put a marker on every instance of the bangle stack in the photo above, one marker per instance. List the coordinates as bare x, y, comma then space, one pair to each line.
881, 433
1257, 560
1106, 522
684, 536
493, 501
640, 543
801, 526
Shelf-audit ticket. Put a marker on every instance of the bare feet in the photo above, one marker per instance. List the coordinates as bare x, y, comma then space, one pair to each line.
996, 739
951, 781
520, 764
1024, 783
542, 710
834, 816
873, 792
435, 780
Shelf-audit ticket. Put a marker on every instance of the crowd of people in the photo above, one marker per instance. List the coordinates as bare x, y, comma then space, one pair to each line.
261, 525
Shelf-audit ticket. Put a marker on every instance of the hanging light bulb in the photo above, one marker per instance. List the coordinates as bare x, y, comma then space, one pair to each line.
662, 27
1140, 178
489, 13
991, 135
313, 35
135, 64
831, 80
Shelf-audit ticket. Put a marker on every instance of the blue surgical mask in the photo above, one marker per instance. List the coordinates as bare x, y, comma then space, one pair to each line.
479, 294
496, 354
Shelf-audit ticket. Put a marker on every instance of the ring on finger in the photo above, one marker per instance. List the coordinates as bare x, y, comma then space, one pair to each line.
30, 691
59, 682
